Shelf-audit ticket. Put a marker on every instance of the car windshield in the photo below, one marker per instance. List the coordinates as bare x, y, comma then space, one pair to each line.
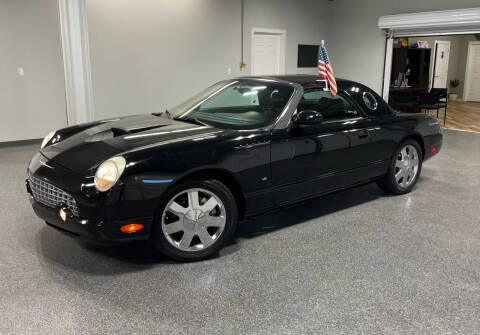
236, 104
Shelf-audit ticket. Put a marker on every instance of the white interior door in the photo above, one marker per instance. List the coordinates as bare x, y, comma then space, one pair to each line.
472, 78
442, 56
268, 52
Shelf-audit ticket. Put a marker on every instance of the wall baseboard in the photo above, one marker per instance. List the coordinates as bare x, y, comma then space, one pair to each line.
20, 143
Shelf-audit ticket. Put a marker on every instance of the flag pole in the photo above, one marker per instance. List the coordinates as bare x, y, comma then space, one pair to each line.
326, 81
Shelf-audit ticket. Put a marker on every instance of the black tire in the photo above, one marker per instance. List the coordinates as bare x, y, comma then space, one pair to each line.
389, 183
164, 246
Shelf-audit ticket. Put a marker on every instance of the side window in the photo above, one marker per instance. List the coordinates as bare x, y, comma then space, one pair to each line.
332, 108
369, 100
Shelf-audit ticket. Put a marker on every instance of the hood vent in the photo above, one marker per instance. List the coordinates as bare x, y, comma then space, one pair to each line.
132, 130
116, 132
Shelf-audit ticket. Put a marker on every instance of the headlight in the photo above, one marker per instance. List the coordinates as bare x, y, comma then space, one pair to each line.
47, 139
108, 173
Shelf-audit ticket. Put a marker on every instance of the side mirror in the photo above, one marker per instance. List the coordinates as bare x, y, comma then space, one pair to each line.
308, 117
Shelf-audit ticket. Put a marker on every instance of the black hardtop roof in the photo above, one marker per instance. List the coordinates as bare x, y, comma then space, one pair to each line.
301, 79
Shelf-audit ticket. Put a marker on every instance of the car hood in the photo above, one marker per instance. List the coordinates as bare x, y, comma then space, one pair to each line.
87, 148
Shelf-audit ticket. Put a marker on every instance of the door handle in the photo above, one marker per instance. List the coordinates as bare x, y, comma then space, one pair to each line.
363, 134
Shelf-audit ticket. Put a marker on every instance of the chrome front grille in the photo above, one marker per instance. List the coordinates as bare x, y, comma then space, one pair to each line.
50, 195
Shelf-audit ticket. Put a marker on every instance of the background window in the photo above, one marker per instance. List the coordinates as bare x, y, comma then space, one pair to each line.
332, 108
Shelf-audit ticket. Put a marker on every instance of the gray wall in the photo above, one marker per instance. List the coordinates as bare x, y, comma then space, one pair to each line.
34, 104
357, 46
305, 21
148, 55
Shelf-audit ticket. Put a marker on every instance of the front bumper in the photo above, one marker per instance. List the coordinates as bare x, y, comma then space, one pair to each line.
97, 231
100, 217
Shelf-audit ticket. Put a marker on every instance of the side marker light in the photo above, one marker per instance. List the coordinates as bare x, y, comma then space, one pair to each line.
131, 228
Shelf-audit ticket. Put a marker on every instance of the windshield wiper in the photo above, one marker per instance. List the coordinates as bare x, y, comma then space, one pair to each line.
190, 120
176, 118
167, 113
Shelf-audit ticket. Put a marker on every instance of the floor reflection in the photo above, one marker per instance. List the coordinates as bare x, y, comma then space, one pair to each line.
308, 210
138, 256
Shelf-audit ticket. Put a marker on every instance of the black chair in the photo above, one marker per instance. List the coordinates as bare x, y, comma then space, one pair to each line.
442, 93
443, 99
431, 101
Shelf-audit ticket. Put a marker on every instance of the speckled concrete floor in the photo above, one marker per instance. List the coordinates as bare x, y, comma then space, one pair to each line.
352, 262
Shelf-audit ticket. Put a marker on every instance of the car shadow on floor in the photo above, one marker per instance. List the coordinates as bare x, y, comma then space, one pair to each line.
96, 259
308, 210
64, 251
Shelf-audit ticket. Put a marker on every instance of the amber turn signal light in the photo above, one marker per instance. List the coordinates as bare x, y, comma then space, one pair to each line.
131, 228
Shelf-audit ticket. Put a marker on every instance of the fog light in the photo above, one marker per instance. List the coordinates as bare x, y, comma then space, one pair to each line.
433, 150
131, 228
64, 213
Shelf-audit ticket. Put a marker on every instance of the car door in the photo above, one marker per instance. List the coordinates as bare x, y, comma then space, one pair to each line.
311, 160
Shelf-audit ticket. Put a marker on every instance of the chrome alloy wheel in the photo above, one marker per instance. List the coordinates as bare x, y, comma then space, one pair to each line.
193, 219
406, 166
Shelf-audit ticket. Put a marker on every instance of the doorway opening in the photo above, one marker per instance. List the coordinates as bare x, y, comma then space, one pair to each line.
439, 75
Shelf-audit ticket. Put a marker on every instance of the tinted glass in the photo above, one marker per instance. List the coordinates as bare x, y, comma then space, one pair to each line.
332, 108
238, 104
371, 102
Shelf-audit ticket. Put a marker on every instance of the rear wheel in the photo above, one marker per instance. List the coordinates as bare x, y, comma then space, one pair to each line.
404, 169
197, 218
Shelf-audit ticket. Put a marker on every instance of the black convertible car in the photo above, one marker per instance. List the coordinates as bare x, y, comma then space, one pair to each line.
183, 178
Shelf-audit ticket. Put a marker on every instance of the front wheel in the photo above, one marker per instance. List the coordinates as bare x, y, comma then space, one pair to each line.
197, 218
404, 169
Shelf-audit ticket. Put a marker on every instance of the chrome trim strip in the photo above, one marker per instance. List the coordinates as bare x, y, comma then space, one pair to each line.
252, 145
343, 120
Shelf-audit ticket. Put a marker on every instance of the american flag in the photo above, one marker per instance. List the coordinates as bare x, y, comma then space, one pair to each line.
325, 70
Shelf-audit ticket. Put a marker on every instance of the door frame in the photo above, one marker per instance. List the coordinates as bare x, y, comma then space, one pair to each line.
466, 85
268, 31
432, 75
418, 24
387, 71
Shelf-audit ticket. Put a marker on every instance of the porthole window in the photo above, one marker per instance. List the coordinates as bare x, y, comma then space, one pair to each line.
370, 101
